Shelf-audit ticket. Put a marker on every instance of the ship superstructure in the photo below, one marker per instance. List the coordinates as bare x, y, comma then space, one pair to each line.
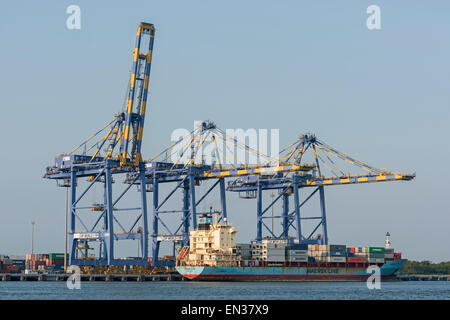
212, 244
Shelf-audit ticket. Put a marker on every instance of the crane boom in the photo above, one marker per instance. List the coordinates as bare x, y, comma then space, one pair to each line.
137, 96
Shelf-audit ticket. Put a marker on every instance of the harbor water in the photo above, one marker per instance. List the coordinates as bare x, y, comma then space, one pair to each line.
157, 290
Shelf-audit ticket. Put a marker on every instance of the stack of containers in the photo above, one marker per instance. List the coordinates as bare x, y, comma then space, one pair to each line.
360, 252
328, 253
352, 258
273, 250
388, 253
371, 254
338, 253
297, 252
375, 254
256, 251
12, 268
19, 265
36, 261
56, 259
350, 252
312, 249
244, 250
5, 261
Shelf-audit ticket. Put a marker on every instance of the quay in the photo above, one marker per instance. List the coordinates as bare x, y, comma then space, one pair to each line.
159, 277
91, 277
423, 277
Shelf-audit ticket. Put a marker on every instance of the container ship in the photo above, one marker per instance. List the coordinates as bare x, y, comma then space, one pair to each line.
213, 255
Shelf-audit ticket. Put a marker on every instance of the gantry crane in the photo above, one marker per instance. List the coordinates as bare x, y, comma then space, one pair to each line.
183, 164
290, 182
113, 150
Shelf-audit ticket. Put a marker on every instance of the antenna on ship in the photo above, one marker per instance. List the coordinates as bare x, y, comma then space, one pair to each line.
387, 243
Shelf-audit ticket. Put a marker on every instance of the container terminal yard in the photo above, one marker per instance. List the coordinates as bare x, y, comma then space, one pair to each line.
296, 177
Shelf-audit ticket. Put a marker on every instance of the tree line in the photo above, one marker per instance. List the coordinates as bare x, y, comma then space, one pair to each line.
425, 267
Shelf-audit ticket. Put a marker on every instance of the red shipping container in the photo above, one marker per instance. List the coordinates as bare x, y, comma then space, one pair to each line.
355, 259
12, 267
397, 255
53, 262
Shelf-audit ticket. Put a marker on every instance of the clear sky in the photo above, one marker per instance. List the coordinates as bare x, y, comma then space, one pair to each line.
381, 96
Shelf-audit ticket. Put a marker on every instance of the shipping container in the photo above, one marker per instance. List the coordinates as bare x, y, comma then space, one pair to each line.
18, 262
57, 256
297, 246
337, 253
294, 252
278, 257
55, 261
332, 247
273, 259
360, 249
337, 247
246, 246
374, 249
356, 259
337, 259
298, 259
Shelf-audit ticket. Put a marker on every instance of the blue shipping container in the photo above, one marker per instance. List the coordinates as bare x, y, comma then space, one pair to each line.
337, 253
297, 246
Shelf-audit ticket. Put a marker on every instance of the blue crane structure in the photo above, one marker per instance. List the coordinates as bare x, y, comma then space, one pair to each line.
289, 184
183, 165
117, 152
206, 154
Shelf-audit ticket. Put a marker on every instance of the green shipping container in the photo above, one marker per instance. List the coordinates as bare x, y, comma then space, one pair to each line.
374, 249
55, 256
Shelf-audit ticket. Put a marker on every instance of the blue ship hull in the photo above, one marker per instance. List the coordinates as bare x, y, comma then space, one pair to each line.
289, 273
